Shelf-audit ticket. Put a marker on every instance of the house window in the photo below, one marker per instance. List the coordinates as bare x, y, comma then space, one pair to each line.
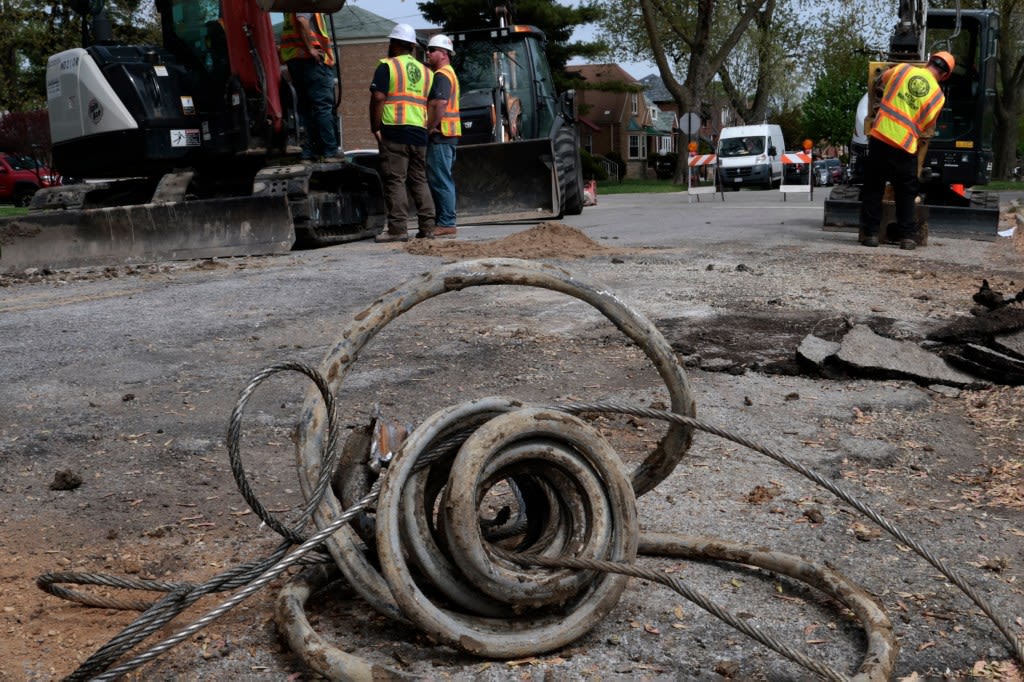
637, 149
588, 143
634, 103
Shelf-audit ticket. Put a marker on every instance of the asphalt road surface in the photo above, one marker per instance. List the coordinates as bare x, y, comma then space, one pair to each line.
123, 379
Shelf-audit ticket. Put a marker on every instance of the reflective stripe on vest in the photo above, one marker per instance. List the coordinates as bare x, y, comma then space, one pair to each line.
912, 102
451, 121
292, 45
408, 85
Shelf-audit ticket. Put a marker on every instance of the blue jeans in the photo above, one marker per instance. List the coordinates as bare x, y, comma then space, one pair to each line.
314, 86
440, 158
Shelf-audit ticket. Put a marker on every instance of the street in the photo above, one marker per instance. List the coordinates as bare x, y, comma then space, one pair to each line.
125, 378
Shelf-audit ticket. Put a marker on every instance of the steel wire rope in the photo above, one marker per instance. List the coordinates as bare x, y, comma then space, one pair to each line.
501, 439
344, 547
1016, 642
182, 595
456, 277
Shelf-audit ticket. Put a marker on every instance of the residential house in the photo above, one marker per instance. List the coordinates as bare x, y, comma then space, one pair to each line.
707, 130
615, 116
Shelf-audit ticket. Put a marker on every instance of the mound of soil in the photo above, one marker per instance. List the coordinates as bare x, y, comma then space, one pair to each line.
545, 240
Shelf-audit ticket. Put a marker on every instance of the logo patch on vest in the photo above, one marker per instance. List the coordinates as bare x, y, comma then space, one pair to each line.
413, 73
918, 86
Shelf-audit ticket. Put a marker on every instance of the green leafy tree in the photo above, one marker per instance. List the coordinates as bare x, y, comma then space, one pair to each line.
556, 21
30, 32
830, 107
1009, 113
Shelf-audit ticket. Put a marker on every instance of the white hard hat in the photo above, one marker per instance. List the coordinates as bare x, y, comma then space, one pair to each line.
442, 41
403, 32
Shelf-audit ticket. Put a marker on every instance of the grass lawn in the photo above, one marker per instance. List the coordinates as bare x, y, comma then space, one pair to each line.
6, 211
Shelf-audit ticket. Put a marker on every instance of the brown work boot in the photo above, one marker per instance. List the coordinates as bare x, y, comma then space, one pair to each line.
870, 240
427, 233
385, 237
440, 231
908, 244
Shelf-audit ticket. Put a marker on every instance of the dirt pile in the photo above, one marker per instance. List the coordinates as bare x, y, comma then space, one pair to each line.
545, 240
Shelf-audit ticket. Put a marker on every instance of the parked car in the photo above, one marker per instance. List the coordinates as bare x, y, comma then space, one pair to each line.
21, 176
827, 172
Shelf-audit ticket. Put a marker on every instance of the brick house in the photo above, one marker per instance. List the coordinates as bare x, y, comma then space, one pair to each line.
622, 120
709, 128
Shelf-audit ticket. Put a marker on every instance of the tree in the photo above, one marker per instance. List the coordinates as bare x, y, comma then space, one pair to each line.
31, 32
1010, 100
555, 20
830, 107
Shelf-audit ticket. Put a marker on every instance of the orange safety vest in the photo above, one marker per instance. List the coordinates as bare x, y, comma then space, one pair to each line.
292, 45
910, 105
408, 85
451, 121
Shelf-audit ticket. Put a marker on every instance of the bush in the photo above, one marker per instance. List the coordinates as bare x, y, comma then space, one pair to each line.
664, 165
592, 170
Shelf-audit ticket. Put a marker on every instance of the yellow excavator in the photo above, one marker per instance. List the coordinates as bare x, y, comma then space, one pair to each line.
959, 157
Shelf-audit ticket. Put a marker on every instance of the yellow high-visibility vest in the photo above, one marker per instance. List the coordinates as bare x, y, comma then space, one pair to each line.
408, 85
292, 46
451, 122
912, 102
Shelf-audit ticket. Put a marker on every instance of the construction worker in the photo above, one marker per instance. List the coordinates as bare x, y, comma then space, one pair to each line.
398, 119
909, 109
308, 52
444, 127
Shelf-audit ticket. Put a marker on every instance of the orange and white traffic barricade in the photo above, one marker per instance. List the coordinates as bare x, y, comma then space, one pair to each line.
702, 175
796, 172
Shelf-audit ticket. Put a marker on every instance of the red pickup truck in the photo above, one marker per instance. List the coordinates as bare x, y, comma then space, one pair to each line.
21, 176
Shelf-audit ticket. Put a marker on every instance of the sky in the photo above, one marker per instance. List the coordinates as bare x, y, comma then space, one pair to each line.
406, 11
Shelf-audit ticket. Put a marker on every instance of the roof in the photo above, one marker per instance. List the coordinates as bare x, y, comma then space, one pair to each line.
655, 89
602, 73
355, 23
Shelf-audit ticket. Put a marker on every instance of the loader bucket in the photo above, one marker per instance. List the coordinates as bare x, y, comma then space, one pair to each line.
506, 182
146, 233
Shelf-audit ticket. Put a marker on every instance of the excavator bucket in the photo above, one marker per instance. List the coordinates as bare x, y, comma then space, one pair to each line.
506, 182
978, 218
146, 233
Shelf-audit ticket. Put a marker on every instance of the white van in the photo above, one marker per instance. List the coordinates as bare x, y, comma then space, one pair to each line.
751, 156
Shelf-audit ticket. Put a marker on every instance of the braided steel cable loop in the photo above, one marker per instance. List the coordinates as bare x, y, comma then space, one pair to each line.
346, 547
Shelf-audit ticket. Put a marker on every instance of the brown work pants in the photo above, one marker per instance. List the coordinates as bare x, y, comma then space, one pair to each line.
403, 169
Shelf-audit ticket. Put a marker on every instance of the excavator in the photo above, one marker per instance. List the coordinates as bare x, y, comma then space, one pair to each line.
190, 149
959, 156
186, 149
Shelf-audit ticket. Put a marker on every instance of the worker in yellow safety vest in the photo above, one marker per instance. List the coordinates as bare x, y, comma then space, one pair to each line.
909, 110
444, 127
398, 119
308, 52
